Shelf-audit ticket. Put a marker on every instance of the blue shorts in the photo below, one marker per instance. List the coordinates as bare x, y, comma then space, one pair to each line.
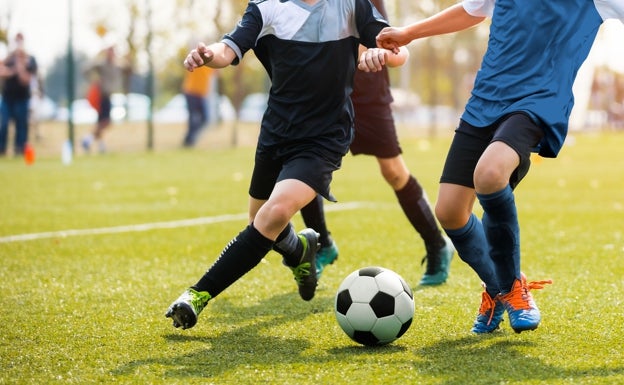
517, 130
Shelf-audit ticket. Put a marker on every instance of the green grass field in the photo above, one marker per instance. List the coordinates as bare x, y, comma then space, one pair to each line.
87, 306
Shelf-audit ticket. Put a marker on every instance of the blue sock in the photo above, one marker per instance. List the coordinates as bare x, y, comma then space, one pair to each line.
472, 248
500, 223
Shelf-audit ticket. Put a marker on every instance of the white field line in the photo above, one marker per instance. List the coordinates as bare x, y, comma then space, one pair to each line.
170, 224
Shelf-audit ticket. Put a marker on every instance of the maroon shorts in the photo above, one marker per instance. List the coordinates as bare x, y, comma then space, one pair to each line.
375, 133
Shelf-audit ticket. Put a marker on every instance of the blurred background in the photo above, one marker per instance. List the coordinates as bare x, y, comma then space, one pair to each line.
151, 38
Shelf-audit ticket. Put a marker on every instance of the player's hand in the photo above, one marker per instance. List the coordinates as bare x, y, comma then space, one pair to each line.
198, 57
391, 38
372, 60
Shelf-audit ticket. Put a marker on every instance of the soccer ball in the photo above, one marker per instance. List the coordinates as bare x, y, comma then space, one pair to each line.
374, 306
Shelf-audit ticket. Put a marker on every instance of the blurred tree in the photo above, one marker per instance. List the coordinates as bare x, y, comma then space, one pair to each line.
440, 69
55, 82
5, 23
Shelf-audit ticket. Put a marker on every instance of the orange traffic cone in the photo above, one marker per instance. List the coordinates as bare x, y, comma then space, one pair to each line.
29, 154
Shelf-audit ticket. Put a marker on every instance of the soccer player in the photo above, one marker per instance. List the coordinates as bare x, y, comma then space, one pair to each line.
520, 103
375, 134
309, 49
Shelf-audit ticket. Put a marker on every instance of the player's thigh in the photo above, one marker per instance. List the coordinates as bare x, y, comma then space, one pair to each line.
468, 145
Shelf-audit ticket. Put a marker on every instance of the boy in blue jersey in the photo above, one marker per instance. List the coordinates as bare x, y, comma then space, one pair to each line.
520, 103
309, 49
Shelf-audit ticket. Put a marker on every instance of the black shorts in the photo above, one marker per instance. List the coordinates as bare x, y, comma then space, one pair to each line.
517, 130
375, 133
308, 163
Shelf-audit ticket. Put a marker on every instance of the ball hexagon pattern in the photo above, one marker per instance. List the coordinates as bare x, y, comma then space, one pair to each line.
374, 306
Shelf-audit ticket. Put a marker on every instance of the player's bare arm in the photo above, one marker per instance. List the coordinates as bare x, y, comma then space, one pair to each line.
374, 59
216, 55
452, 19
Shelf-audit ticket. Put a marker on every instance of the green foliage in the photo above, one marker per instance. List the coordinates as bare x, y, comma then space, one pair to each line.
83, 309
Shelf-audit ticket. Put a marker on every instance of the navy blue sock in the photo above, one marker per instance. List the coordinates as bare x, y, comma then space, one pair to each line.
241, 255
472, 248
500, 223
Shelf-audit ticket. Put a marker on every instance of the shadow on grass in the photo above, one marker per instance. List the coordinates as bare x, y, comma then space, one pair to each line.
493, 359
244, 344
484, 359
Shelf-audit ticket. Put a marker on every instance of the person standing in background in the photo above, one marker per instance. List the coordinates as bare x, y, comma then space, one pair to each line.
17, 71
105, 77
196, 87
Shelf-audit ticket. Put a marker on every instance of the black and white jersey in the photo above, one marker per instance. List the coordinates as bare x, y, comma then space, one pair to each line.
310, 53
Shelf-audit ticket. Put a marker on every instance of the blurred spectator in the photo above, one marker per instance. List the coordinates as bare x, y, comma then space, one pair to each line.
105, 78
17, 70
196, 88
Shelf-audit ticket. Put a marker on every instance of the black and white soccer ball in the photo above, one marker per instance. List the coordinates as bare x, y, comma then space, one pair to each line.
374, 306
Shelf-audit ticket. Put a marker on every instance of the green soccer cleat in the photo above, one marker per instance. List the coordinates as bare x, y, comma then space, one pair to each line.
305, 271
438, 265
185, 310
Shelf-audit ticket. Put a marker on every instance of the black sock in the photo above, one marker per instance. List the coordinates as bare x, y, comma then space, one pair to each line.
241, 255
416, 207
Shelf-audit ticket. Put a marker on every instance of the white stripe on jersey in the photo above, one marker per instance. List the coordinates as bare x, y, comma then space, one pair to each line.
282, 19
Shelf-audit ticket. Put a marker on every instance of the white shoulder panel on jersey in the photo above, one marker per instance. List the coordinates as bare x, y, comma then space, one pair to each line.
480, 8
610, 9
281, 18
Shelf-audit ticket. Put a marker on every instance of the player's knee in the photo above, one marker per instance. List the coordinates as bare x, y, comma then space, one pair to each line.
449, 215
278, 212
489, 179
395, 177
443, 214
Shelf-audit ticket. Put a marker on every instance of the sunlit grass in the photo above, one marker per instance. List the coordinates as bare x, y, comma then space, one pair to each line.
90, 308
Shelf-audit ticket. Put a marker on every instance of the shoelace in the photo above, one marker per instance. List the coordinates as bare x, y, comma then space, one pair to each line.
301, 271
487, 304
199, 299
519, 296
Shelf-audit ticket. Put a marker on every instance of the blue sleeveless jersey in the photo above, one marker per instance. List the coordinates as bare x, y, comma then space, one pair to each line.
535, 50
